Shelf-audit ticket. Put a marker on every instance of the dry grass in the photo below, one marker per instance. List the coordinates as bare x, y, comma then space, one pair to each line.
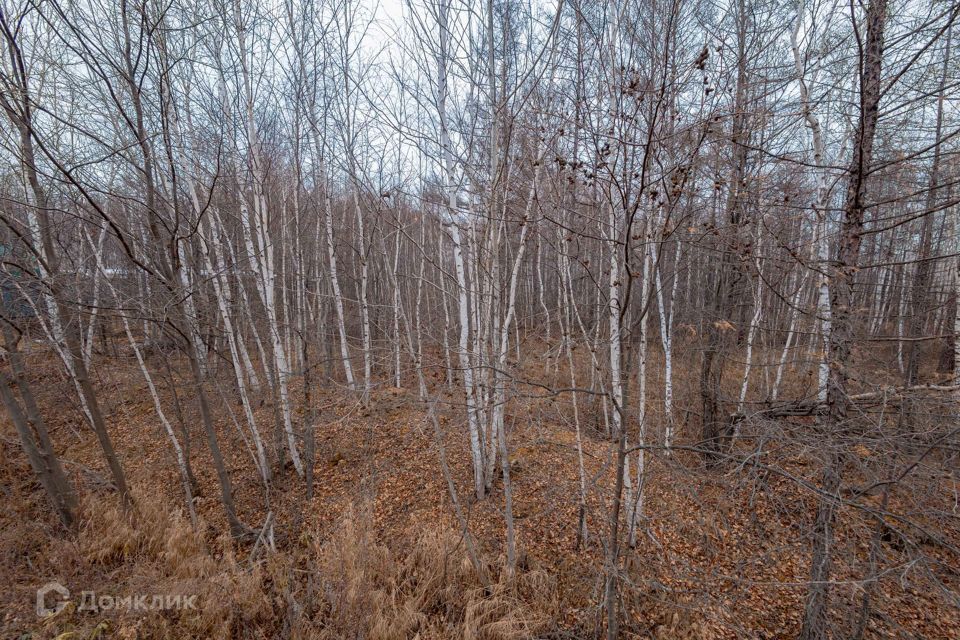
349, 585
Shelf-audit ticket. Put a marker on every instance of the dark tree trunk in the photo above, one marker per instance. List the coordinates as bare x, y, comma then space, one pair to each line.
815, 618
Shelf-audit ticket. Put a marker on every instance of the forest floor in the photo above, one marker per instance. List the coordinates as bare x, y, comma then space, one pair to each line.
723, 552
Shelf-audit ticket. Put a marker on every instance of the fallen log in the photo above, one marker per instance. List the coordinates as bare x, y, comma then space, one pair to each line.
812, 408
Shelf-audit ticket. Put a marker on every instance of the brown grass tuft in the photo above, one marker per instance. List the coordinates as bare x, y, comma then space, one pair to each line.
349, 585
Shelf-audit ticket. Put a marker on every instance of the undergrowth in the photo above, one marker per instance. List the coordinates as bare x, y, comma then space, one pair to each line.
347, 585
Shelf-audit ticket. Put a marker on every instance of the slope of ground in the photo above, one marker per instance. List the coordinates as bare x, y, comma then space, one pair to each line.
721, 553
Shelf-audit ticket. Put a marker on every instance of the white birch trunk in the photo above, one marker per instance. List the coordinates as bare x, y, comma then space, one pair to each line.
666, 340
95, 302
567, 328
791, 331
503, 347
820, 210
446, 323
751, 334
418, 361
364, 301
613, 312
222, 293
476, 450
396, 313
955, 217
540, 287
264, 260
337, 294
635, 507
158, 407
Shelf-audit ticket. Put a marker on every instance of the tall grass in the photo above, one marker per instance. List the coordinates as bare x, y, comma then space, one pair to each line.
347, 585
